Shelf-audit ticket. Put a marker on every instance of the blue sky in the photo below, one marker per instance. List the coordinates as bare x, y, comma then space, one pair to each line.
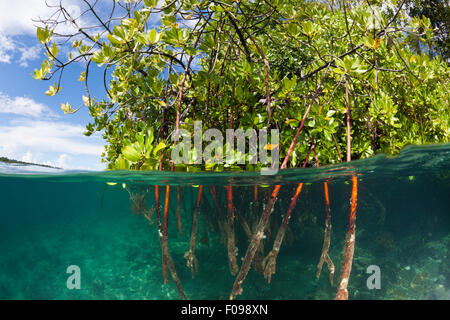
32, 125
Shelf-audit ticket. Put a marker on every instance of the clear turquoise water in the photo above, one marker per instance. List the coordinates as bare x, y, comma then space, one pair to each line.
51, 220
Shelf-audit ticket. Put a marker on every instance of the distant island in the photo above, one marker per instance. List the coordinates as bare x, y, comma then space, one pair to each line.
7, 160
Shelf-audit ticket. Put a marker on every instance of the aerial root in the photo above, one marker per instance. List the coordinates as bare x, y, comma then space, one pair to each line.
192, 261
271, 258
165, 247
160, 234
342, 293
177, 213
254, 244
331, 267
149, 215
167, 262
324, 257
231, 245
175, 278
269, 264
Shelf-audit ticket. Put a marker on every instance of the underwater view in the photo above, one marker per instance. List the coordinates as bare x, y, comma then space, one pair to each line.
161, 235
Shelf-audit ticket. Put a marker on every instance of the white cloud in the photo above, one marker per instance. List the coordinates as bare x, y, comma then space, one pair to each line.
58, 144
23, 106
61, 161
29, 53
7, 48
48, 136
16, 17
28, 157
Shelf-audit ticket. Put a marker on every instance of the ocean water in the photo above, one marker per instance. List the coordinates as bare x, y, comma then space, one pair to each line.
51, 219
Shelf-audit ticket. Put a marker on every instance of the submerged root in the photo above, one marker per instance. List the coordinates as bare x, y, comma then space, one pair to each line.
149, 215
138, 199
231, 245
174, 275
138, 205
257, 264
342, 293
165, 248
269, 264
259, 255
160, 234
245, 226
254, 244
324, 257
192, 261
232, 251
271, 258
177, 213
167, 262
331, 267
259, 234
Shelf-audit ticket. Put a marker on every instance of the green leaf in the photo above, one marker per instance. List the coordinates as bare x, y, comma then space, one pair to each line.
293, 159
143, 38
150, 136
122, 164
259, 118
66, 108
43, 35
190, 51
308, 27
53, 90
107, 52
86, 101
150, 3
292, 28
115, 40
154, 36
120, 33
292, 122
159, 147
54, 50
128, 22
330, 113
168, 20
341, 64
131, 153
37, 74
98, 57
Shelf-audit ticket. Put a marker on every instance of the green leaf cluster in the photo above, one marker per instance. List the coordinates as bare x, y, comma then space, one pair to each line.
225, 66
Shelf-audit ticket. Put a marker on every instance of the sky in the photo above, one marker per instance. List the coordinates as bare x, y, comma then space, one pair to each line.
33, 127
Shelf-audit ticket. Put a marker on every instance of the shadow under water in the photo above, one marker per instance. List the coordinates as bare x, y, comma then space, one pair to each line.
156, 235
